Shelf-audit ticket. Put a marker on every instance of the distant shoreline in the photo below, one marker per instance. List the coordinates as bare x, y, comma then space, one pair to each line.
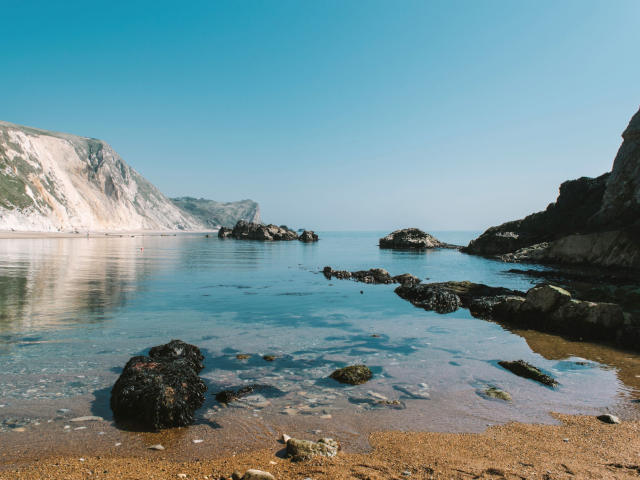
26, 234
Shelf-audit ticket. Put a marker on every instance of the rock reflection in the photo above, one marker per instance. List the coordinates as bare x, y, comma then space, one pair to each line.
50, 282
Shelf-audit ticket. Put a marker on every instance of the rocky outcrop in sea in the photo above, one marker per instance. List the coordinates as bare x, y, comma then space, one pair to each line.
594, 221
373, 275
257, 231
545, 308
411, 239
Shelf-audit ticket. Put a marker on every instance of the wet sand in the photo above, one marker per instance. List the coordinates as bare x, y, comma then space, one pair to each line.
580, 447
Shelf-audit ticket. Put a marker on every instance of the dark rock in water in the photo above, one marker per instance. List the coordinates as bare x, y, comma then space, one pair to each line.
300, 450
430, 297
177, 349
353, 375
446, 297
160, 392
308, 236
256, 231
526, 370
373, 275
406, 279
269, 358
594, 221
225, 232
233, 394
410, 239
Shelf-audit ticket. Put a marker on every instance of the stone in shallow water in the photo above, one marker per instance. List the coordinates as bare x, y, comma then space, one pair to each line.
493, 392
353, 374
526, 370
300, 450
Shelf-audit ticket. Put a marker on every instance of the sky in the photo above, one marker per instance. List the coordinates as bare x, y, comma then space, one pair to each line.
336, 114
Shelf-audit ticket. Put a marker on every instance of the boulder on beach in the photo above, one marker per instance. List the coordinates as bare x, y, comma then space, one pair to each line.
410, 239
300, 450
162, 390
353, 375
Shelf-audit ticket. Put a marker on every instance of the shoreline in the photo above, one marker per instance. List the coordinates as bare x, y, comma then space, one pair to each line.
579, 447
26, 234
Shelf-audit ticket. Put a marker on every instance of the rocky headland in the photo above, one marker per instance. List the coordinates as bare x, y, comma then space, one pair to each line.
215, 214
594, 221
258, 231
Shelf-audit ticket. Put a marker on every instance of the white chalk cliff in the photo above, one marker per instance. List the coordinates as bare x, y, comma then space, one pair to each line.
58, 182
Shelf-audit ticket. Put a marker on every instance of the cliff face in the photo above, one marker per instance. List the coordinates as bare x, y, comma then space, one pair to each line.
594, 220
216, 214
58, 182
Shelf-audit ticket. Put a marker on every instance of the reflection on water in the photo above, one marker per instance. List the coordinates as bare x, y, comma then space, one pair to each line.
72, 311
53, 282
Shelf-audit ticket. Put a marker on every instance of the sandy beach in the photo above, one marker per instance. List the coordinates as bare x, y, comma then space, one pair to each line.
579, 447
24, 234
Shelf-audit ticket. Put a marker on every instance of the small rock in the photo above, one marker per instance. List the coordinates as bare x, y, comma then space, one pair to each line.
269, 358
19, 429
117, 444
63, 410
197, 440
182, 475
353, 375
236, 475
498, 394
300, 450
156, 447
257, 475
243, 356
80, 428
406, 473
606, 418
285, 438
88, 418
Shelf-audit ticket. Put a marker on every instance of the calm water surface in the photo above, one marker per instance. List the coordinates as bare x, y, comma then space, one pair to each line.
72, 311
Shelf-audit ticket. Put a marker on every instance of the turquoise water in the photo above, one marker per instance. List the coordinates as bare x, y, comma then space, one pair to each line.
72, 311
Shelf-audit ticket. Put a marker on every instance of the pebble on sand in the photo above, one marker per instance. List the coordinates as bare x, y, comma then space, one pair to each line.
156, 447
88, 418
606, 418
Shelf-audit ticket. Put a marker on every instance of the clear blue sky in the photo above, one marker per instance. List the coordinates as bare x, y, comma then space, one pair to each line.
336, 114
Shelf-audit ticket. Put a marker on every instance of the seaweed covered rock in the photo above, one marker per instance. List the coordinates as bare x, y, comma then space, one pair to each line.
162, 390
410, 239
353, 375
526, 370
373, 275
300, 450
177, 349
308, 236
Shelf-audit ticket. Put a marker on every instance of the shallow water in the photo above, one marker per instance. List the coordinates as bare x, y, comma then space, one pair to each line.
73, 310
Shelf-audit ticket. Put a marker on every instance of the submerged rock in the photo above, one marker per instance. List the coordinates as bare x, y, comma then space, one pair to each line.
526, 370
410, 239
308, 236
300, 450
494, 392
161, 391
233, 394
353, 375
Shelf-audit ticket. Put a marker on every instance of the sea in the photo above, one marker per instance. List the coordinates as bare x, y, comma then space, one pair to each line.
74, 310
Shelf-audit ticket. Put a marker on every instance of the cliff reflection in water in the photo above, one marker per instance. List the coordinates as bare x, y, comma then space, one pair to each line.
52, 282
553, 347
